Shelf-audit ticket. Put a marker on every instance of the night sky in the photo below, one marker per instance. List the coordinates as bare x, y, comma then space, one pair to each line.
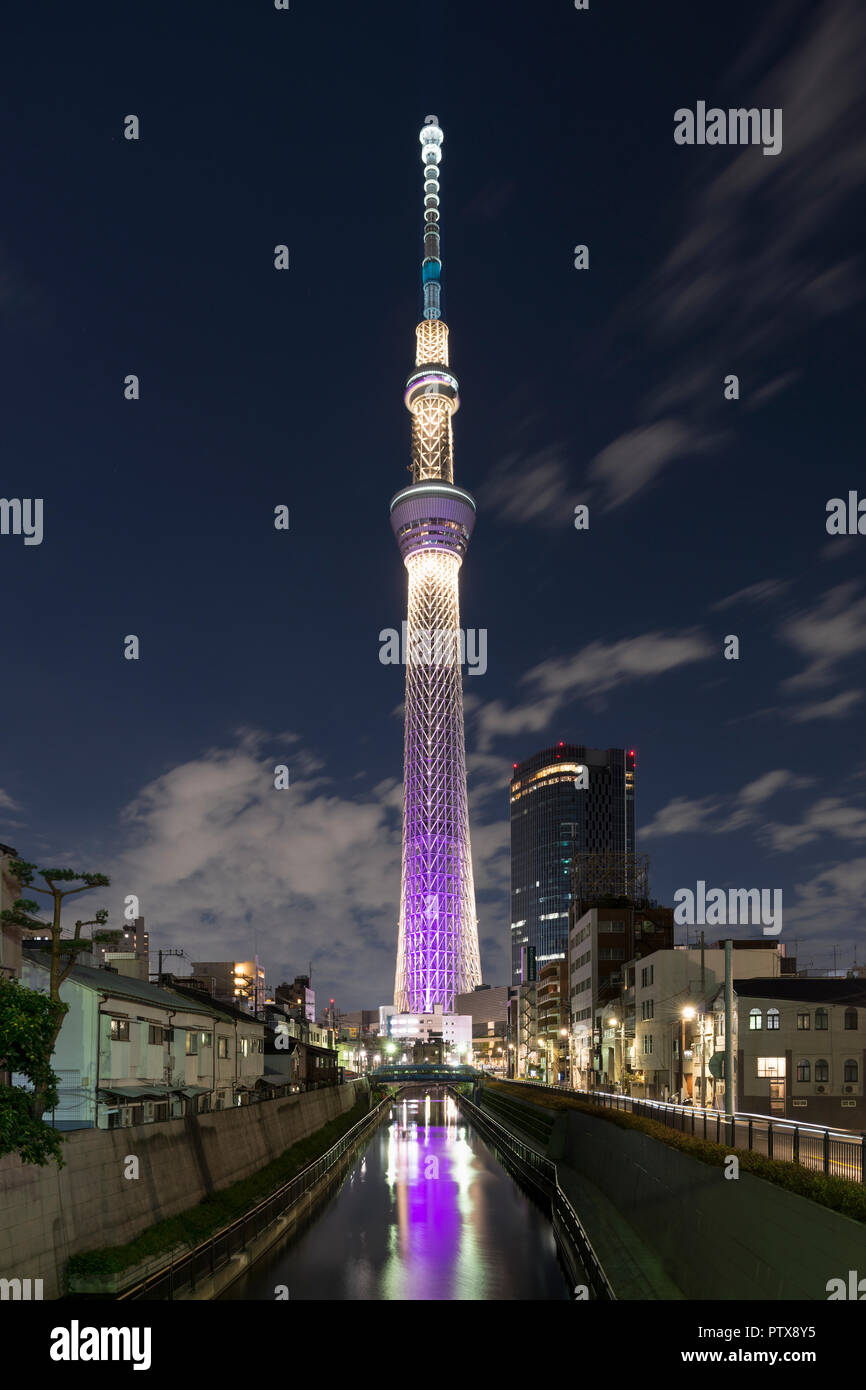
262, 387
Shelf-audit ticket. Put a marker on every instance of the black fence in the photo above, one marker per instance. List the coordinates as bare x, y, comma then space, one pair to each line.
838, 1153
204, 1261
540, 1170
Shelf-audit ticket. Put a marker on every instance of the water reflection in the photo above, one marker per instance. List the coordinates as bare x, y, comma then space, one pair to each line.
426, 1212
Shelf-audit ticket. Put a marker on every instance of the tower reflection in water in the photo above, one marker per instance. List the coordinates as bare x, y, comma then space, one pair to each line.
425, 1213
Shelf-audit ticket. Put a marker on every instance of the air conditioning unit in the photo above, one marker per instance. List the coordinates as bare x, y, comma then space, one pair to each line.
848, 1089
820, 1089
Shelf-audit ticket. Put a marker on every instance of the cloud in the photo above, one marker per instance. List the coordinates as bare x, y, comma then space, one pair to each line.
837, 707
829, 816
682, 816
635, 458
596, 668
530, 488
755, 793
828, 633
762, 592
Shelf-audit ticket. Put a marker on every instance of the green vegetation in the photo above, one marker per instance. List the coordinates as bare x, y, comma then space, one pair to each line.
196, 1224
840, 1195
29, 1026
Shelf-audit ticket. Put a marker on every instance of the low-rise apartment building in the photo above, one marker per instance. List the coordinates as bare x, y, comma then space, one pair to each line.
668, 992
129, 1052
799, 1048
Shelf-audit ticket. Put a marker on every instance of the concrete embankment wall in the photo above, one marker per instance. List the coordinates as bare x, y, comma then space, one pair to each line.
48, 1214
717, 1238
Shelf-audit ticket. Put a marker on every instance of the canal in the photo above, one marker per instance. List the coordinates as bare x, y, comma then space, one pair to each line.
424, 1212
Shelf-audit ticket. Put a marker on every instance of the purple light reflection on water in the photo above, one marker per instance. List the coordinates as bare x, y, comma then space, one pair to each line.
425, 1213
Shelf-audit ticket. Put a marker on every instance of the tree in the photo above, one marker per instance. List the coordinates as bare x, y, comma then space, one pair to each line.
29, 1051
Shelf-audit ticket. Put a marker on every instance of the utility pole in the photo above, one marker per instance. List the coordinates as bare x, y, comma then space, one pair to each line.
729, 1037
703, 1042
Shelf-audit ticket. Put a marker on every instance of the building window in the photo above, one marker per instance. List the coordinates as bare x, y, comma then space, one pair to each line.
772, 1018
770, 1066
155, 1035
647, 1044
720, 1025
647, 1009
822, 1071
821, 1020
192, 1044
850, 1020
804, 1022
120, 1030
646, 975
756, 1019
207, 1039
804, 1071
851, 1070
222, 1047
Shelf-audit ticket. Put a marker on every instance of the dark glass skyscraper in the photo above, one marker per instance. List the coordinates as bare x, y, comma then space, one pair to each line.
552, 821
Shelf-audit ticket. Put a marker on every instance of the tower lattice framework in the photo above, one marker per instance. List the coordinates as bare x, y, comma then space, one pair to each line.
432, 519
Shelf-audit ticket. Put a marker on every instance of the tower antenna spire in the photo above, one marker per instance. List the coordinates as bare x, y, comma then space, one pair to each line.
431, 138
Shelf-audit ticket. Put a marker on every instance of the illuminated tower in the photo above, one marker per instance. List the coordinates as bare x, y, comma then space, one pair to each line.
437, 950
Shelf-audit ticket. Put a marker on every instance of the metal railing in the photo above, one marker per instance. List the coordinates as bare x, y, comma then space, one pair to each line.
820, 1149
218, 1249
540, 1170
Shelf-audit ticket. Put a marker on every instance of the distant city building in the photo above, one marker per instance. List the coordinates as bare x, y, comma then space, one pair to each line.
299, 997
553, 820
360, 1023
129, 955
453, 1030
487, 1006
601, 940
241, 983
552, 1020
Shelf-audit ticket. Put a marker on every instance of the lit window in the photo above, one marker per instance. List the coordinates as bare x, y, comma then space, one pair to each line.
772, 1018
804, 1022
756, 1020
770, 1066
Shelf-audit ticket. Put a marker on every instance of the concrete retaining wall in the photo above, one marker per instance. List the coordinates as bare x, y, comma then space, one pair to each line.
48, 1214
717, 1238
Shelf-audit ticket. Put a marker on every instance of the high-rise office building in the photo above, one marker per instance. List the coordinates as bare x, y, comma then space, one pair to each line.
432, 520
566, 801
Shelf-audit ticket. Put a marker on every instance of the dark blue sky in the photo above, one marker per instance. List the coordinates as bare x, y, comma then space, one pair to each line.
261, 387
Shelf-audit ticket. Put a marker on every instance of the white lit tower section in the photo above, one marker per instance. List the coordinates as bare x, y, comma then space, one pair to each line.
437, 951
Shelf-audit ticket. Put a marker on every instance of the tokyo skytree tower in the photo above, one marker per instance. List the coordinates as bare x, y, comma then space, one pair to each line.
437, 950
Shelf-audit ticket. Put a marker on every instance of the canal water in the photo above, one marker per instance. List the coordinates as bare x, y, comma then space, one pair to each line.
424, 1212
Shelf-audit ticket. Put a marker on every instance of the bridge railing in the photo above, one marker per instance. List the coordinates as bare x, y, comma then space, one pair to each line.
838, 1153
202, 1262
541, 1171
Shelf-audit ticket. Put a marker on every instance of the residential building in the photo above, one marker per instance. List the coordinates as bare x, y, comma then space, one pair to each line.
130, 1052
668, 991
10, 935
799, 1048
601, 941
554, 819
552, 1018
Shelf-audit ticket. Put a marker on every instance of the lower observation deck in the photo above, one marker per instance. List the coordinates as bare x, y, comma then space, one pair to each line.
433, 516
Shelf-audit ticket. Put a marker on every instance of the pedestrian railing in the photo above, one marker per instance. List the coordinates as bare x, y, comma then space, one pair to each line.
540, 1170
201, 1263
838, 1153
